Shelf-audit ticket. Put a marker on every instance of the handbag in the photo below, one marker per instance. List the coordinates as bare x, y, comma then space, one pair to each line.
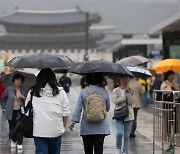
122, 113
27, 120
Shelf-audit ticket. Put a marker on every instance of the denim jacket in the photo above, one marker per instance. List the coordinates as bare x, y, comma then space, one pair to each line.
8, 98
88, 128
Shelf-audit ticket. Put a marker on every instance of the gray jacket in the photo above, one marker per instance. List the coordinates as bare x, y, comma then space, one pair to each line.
120, 100
8, 97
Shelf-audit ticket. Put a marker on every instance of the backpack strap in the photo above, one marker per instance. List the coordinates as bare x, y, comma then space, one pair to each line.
88, 90
100, 91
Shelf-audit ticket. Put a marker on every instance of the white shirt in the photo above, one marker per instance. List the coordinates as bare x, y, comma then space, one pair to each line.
48, 111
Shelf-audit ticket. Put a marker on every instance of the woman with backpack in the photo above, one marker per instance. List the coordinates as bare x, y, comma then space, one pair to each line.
50, 112
123, 98
94, 102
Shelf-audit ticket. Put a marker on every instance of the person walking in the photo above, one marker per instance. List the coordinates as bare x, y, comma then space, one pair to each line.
65, 82
146, 97
138, 91
14, 97
2, 89
93, 127
123, 96
50, 110
157, 86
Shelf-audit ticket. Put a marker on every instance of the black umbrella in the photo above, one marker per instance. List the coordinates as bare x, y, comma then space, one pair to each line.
40, 61
99, 66
29, 79
61, 69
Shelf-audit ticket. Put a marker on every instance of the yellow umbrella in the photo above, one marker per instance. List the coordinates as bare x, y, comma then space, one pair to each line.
168, 64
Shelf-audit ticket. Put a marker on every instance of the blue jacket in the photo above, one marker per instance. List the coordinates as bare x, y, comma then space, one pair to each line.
87, 128
8, 97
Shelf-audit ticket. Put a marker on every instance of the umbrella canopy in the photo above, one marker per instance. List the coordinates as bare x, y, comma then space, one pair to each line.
138, 71
136, 60
168, 64
40, 61
61, 69
29, 79
99, 66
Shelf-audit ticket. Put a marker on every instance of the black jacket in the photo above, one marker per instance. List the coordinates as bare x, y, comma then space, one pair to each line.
65, 82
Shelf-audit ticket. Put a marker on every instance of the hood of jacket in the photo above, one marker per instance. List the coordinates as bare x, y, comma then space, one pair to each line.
47, 90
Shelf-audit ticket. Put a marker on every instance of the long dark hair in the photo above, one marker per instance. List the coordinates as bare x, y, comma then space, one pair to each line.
45, 76
95, 79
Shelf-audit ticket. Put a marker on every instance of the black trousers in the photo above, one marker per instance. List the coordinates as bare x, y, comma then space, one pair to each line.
93, 143
134, 125
18, 137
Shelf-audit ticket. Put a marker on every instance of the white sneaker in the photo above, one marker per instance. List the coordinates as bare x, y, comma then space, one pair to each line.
13, 144
19, 147
118, 151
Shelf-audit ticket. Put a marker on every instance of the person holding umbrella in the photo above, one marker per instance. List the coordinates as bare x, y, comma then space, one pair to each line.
14, 97
138, 91
92, 132
50, 112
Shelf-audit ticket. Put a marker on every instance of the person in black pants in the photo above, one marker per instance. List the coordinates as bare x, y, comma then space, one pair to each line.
12, 123
14, 97
138, 91
93, 142
93, 134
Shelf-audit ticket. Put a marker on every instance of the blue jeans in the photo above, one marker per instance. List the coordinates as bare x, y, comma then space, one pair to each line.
146, 99
47, 145
123, 129
3, 105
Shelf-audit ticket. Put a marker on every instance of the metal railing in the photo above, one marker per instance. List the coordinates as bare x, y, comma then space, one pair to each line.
166, 123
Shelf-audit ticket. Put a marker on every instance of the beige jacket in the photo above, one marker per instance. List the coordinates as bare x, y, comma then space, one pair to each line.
138, 91
120, 99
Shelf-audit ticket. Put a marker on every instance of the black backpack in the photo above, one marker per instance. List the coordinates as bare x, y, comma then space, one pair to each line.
27, 120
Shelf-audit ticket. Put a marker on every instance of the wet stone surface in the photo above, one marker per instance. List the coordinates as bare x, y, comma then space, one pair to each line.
72, 143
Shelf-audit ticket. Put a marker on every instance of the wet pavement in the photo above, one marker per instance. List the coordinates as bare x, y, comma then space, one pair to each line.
72, 143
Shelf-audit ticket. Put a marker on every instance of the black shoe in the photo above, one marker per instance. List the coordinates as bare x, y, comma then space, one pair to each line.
132, 135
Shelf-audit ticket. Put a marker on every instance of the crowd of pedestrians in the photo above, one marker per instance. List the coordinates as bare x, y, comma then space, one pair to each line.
51, 109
